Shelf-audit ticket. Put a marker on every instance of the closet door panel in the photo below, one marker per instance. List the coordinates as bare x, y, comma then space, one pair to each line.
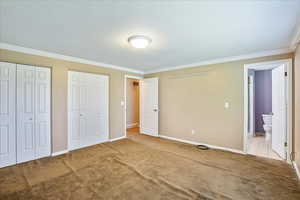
93, 109
97, 109
42, 112
25, 113
74, 110
88, 109
84, 104
102, 113
7, 114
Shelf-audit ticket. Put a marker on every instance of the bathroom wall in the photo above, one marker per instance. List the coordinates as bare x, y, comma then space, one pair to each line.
263, 97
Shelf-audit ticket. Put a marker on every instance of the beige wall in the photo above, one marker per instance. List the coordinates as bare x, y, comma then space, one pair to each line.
297, 106
59, 93
132, 102
193, 98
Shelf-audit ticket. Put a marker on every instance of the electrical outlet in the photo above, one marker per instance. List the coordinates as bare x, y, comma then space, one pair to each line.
193, 131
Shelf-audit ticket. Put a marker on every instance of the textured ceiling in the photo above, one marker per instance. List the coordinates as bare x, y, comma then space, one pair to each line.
182, 32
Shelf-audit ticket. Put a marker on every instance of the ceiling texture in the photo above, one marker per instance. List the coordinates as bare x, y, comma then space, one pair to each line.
183, 33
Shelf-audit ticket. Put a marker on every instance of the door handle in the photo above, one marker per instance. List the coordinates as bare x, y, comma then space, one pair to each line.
30, 119
81, 115
155, 110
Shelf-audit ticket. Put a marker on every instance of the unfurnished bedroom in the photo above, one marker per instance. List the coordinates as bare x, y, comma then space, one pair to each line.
150, 100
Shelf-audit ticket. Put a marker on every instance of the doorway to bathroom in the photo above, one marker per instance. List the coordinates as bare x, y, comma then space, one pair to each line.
267, 109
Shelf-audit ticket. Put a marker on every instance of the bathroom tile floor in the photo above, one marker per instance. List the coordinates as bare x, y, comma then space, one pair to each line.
257, 145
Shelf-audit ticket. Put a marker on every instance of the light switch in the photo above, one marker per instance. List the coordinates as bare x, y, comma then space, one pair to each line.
226, 105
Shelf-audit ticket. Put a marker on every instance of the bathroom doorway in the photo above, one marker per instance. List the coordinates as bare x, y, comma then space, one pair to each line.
268, 109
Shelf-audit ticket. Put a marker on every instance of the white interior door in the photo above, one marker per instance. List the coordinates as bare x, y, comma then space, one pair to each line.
42, 112
97, 118
88, 109
149, 106
25, 113
279, 110
33, 112
84, 113
7, 114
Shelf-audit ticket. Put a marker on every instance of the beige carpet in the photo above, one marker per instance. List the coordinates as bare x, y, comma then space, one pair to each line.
143, 167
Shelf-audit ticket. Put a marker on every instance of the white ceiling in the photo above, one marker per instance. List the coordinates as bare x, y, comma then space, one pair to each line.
182, 32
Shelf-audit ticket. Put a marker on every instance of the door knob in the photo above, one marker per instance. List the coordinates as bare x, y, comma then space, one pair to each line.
30, 119
155, 110
81, 114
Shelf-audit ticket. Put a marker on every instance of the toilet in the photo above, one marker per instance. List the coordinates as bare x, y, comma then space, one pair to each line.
267, 119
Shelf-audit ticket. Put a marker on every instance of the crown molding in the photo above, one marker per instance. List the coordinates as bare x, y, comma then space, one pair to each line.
296, 37
63, 57
224, 60
99, 64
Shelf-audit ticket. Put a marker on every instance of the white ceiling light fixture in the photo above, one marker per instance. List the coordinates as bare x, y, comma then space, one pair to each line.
139, 41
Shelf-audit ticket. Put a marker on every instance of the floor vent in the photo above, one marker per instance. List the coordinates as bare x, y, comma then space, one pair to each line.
202, 147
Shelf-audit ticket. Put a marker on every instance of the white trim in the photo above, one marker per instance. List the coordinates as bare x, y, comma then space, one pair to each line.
125, 101
119, 138
63, 57
199, 143
134, 77
296, 169
289, 69
59, 153
99, 64
88, 145
132, 125
105, 65
224, 60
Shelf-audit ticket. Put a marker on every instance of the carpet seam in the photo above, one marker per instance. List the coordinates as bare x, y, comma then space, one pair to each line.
151, 179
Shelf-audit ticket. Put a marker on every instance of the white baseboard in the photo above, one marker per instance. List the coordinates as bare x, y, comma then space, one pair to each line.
198, 143
119, 138
88, 145
296, 169
59, 153
132, 125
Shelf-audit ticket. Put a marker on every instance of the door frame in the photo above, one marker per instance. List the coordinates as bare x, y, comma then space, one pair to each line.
289, 111
126, 77
251, 105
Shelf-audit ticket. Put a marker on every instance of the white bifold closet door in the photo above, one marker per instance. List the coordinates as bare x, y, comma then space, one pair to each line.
88, 109
33, 112
7, 114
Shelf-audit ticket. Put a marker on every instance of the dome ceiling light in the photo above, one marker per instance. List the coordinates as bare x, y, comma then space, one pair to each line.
139, 41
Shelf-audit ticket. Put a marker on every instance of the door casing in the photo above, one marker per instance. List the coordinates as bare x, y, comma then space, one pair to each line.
124, 103
262, 65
